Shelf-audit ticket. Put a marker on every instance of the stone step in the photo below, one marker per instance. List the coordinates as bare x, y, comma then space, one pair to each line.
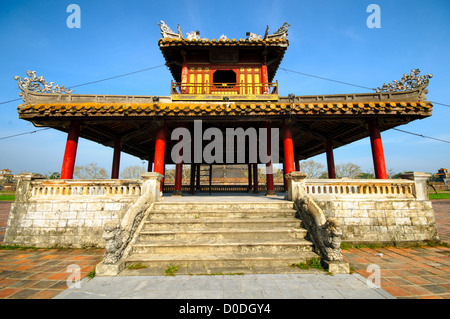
223, 214
221, 206
220, 235
219, 263
221, 223
224, 247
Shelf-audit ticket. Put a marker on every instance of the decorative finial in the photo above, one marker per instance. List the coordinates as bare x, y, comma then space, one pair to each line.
166, 32
407, 83
38, 85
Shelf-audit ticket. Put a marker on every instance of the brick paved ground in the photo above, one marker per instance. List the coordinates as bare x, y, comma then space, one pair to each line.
411, 272
405, 272
40, 273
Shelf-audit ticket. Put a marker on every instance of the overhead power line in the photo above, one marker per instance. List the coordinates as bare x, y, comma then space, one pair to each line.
102, 80
322, 78
436, 139
32, 132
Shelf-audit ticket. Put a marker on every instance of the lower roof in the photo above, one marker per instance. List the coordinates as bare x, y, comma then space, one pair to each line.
134, 119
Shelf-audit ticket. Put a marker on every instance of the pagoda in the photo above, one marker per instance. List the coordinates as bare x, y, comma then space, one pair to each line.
224, 108
225, 83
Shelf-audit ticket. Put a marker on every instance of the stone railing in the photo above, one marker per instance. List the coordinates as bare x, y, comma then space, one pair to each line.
363, 211
46, 188
398, 188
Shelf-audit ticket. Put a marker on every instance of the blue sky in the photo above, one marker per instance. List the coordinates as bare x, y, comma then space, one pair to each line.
327, 38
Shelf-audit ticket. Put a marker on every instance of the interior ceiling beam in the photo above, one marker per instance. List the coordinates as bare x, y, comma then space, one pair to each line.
319, 136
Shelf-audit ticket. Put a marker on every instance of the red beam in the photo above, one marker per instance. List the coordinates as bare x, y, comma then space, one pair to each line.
377, 150
71, 151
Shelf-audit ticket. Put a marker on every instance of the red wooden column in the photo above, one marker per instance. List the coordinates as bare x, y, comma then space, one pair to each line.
377, 150
269, 167
184, 76
250, 186
255, 178
288, 150
116, 159
330, 159
297, 163
160, 148
71, 151
265, 77
178, 173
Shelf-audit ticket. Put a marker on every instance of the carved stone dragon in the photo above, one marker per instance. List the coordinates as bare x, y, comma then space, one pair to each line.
325, 233
38, 85
407, 83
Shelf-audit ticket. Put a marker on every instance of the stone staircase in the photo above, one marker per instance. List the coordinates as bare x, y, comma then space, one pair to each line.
220, 237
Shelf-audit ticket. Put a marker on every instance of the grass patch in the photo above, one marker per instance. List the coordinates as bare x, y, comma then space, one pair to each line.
427, 243
171, 270
7, 197
16, 247
310, 263
136, 266
439, 195
91, 274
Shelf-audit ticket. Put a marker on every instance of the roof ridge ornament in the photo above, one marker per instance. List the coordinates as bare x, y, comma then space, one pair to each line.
38, 85
166, 32
281, 33
407, 83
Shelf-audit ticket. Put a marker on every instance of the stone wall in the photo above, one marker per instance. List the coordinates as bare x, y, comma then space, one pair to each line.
382, 220
67, 213
373, 211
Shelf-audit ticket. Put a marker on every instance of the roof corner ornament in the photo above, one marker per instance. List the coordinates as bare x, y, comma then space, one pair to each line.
38, 85
193, 36
408, 83
167, 33
281, 33
253, 37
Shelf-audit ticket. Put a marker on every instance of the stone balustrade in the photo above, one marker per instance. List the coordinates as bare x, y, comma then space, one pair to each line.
368, 210
47, 188
361, 188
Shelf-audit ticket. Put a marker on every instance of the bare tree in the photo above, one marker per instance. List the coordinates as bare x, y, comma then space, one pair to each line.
90, 171
348, 170
312, 168
133, 172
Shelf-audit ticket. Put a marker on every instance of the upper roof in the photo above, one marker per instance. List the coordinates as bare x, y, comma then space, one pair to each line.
174, 47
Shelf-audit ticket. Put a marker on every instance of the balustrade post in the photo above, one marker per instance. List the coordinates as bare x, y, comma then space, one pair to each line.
420, 190
296, 186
